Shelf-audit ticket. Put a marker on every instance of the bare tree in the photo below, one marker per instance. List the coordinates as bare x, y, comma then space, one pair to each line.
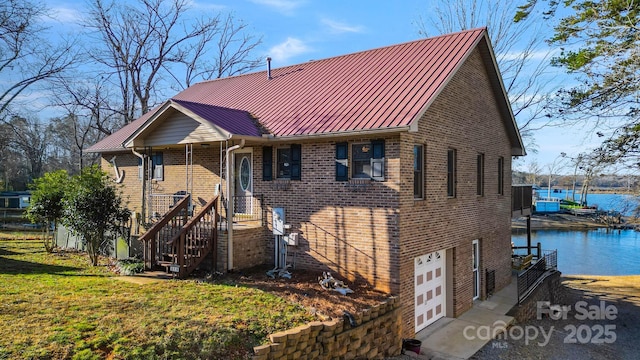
91, 104
71, 135
533, 171
32, 140
143, 44
25, 57
519, 49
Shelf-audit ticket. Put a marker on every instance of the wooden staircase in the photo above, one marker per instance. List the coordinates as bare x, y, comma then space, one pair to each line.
179, 243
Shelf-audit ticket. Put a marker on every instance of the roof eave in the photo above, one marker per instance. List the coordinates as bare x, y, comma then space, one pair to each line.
335, 134
169, 104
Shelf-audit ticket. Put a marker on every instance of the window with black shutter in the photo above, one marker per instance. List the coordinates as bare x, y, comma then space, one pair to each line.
367, 161
156, 164
289, 162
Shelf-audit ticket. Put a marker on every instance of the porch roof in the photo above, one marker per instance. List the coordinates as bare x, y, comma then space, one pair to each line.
205, 123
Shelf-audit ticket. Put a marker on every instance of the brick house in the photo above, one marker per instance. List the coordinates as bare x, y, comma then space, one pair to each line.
392, 165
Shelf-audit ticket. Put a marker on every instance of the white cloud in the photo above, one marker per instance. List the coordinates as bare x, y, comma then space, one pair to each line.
66, 15
288, 49
284, 6
337, 27
534, 55
196, 5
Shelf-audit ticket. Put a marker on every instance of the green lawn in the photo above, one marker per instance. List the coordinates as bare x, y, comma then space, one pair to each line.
58, 307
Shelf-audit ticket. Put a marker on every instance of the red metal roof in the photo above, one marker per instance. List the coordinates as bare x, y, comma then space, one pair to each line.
234, 121
115, 141
383, 88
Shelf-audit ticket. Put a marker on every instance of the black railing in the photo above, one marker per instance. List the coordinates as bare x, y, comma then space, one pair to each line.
246, 208
551, 259
531, 277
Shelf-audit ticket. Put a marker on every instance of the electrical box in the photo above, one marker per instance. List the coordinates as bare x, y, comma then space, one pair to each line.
292, 239
278, 221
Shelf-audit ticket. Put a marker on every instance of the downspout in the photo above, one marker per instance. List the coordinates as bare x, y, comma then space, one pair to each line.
229, 175
144, 178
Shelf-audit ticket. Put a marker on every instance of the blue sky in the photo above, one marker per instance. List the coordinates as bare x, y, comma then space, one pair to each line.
295, 31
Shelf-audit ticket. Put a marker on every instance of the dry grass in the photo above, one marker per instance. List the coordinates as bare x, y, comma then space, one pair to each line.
55, 306
607, 287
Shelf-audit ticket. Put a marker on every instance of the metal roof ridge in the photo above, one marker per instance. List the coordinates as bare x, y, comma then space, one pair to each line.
484, 29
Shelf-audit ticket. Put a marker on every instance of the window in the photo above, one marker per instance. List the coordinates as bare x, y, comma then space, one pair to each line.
451, 172
480, 175
155, 162
157, 166
501, 175
367, 161
284, 163
418, 172
361, 155
288, 162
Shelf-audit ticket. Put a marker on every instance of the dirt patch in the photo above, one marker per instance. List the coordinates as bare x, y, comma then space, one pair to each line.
589, 330
303, 288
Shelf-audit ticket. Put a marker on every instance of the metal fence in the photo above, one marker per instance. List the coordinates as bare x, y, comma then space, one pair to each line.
246, 208
160, 204
551, 259
530, 278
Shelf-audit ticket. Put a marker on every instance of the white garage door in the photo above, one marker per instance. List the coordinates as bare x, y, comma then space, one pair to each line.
429, 284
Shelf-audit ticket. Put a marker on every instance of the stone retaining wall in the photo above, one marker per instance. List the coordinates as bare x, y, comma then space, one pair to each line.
375, 336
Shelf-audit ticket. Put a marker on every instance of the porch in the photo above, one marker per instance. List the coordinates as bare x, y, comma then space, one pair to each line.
186, 235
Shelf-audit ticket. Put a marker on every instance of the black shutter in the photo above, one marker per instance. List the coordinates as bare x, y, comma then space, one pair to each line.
377, 160
342, 161
296, 157
267, 163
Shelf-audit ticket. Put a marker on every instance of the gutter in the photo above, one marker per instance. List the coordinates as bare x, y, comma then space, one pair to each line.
229, 175
272, 138
143, 187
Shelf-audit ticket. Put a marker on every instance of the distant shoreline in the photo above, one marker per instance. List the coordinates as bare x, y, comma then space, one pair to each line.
619, 191
557, 221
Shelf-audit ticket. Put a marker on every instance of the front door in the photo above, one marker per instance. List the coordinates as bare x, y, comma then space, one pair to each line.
243, 182
475, 259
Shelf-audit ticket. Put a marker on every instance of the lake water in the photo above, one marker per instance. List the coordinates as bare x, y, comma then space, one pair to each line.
623, 203
591, 252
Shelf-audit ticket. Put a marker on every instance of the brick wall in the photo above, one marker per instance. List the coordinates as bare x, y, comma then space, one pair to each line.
465, 117
350, 231
205, 174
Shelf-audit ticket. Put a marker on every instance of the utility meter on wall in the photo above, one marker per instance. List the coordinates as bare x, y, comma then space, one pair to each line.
278, 221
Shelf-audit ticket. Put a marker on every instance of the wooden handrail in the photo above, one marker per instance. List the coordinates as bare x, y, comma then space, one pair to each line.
181, 205
205, 209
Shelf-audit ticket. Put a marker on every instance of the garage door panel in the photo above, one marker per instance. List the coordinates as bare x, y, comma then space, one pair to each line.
429, 289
